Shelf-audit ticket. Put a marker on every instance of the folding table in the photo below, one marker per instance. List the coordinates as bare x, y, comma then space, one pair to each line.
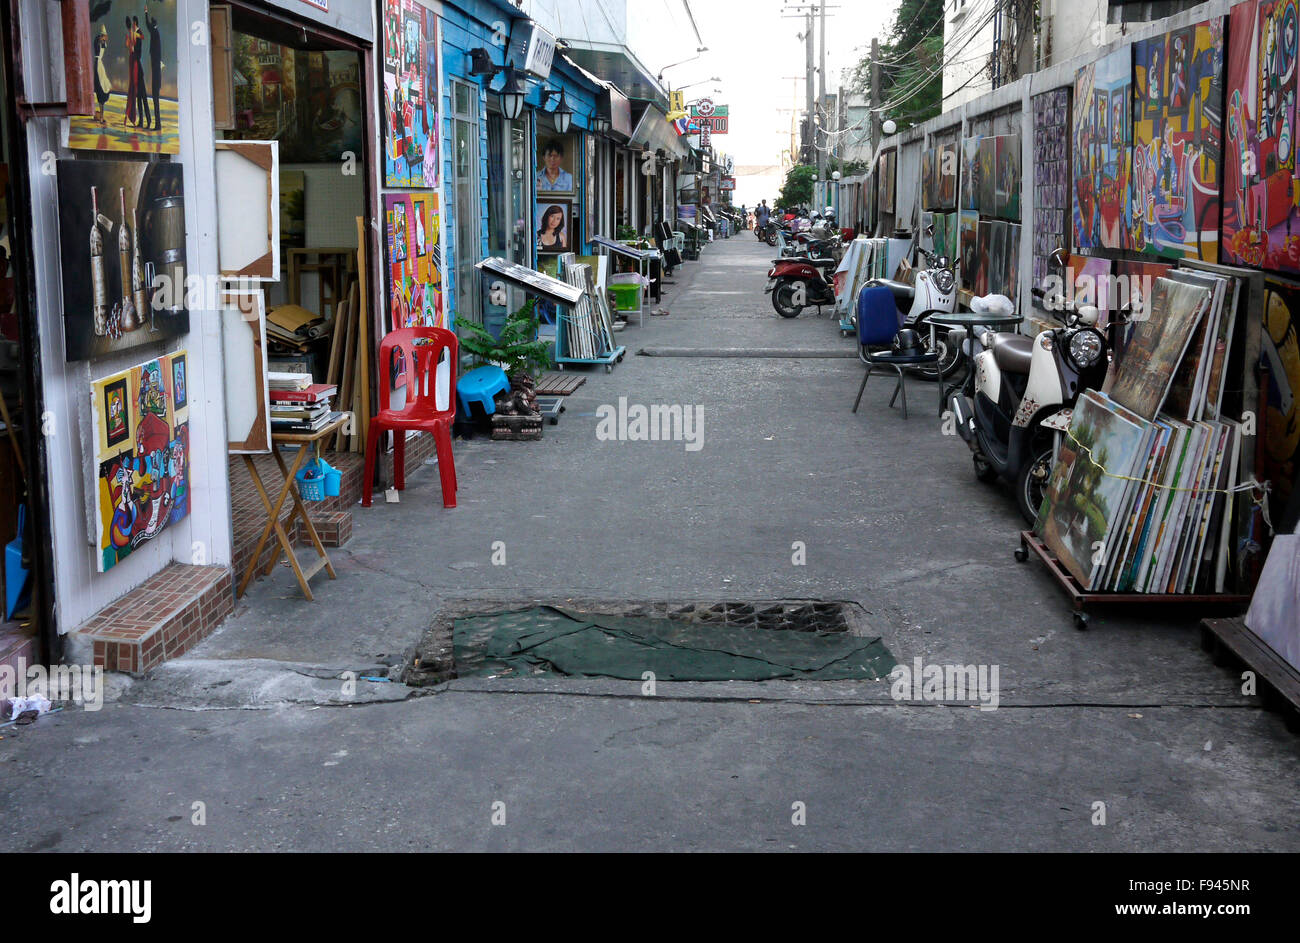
304, 440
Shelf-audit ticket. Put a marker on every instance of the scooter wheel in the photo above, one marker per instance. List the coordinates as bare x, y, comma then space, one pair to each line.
983, 470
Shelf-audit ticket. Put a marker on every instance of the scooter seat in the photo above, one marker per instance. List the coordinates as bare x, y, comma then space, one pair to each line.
900, 289
1012, 352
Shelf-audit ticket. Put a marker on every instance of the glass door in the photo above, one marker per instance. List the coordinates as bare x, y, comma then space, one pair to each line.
508, 214
465, 183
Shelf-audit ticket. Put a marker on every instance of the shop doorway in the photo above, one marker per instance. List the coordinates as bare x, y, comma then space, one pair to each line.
310, 89
27, 630
465, 184
509, 217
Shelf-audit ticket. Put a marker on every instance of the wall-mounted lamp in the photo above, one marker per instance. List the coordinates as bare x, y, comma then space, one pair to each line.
512, 90
563, 114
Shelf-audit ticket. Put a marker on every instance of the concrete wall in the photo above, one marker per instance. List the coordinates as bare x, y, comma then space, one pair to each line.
1008, 110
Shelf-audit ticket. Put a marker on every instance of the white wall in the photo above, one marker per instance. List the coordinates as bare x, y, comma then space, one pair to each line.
204, 535
968, 43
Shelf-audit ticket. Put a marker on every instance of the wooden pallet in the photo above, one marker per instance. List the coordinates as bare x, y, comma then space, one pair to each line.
1082, 599
558, 384
1227, 640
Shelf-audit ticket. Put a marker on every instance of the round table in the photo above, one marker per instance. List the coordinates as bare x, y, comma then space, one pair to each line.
970, 320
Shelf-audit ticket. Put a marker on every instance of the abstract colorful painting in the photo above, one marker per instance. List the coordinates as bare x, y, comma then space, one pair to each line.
141, 448
134, 69
1177, 110
412, 225
1261, 206
1102, 152
1051, 177
410, 99
122, 249
929, 182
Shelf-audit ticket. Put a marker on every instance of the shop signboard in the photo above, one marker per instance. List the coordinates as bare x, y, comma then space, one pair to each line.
531, 48
709, 115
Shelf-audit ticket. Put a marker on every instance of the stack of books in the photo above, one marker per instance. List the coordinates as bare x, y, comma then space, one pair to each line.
1141, 497
298, 404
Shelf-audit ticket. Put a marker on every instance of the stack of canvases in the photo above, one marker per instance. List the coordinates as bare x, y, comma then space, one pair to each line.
989, 227
1140, 499
589, 327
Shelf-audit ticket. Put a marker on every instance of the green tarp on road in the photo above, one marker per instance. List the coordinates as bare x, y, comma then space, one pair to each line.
549, 640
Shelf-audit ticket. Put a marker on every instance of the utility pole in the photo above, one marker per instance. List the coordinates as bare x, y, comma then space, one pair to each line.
810, 138
821, 94
875, 94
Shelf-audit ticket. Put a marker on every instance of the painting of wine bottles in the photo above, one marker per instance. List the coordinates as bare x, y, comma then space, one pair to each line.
141, 430
122, 248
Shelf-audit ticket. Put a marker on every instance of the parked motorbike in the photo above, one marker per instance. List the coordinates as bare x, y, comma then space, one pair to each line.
1013, 412
934, 291
801, 281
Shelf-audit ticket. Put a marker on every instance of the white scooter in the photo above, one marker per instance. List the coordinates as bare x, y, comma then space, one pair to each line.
1018, 402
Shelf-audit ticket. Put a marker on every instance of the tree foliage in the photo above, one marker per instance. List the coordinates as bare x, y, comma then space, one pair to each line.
911, 58
798, 188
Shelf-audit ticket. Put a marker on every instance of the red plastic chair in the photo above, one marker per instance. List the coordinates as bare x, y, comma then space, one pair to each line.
421, 349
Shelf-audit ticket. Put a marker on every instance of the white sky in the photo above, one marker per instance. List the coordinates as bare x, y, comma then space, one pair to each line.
755, 52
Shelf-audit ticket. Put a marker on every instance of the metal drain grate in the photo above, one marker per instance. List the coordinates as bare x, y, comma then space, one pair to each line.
777, 616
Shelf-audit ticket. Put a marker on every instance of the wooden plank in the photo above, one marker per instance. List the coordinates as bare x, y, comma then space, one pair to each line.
558, 384
362, 424
1237, 637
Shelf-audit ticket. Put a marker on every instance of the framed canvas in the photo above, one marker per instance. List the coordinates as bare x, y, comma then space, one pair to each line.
551, 226
124, 283
557, 165
134, 69
248, 403
143, 479
248, 209
1177, 98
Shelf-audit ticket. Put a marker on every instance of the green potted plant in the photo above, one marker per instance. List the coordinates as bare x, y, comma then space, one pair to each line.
516, 350
519, 352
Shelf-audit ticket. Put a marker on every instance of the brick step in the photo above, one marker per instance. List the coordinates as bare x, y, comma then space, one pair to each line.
165, 616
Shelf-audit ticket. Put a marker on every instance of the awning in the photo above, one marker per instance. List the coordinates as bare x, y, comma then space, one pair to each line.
654, 131
617, 65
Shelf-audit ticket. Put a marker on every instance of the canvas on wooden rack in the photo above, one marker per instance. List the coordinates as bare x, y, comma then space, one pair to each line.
141, 455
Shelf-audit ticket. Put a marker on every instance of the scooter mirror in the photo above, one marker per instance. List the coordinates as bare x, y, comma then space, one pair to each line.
1059, 260
1088, 315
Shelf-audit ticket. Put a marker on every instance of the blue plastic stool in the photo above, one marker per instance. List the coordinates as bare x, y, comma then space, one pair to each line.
481, 385
18, 579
